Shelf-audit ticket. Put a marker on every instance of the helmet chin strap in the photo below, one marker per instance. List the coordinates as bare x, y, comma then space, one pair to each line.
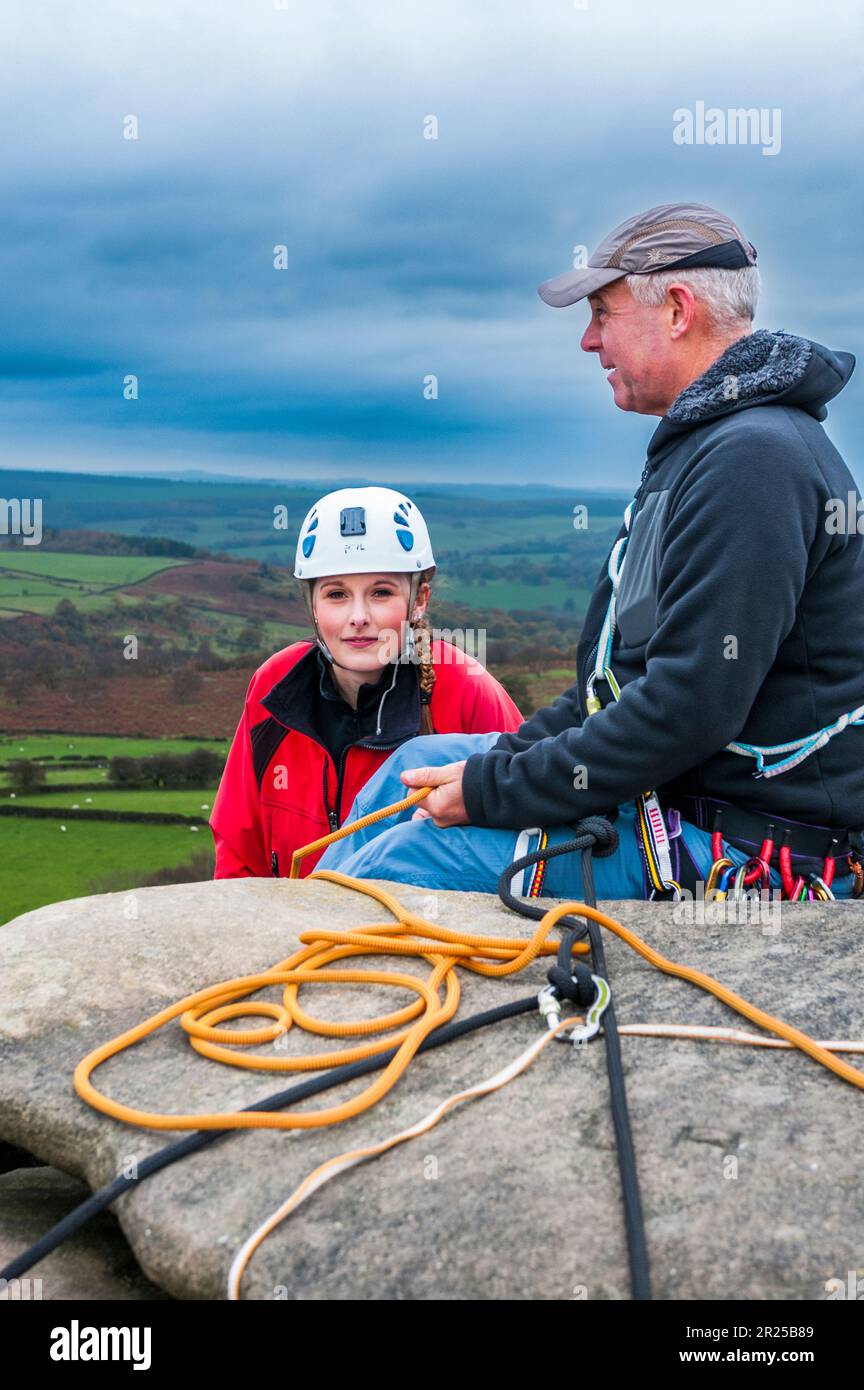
408, 646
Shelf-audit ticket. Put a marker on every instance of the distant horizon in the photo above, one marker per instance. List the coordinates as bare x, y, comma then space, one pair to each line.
202, 476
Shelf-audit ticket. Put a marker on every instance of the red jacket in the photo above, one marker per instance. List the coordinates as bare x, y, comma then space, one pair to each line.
280, 787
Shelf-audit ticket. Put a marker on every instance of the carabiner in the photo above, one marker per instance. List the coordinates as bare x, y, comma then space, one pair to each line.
757, 867
591, 1026
725, 878
821, 888
716, 868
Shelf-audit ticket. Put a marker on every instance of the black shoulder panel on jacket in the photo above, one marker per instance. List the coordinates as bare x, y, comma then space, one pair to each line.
266, 738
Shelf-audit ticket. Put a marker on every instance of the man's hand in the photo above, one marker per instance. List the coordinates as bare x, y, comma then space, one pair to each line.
445, 804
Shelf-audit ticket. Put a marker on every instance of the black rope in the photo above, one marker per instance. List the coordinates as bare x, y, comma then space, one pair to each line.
181, 1148
595, 835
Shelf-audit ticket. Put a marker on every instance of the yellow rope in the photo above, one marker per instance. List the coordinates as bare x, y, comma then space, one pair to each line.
349, 829
408, 935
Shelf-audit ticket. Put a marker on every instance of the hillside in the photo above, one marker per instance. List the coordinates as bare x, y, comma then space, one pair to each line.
195, 573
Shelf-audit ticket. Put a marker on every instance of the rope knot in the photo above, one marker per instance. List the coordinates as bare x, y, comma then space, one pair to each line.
604, 834
575, 984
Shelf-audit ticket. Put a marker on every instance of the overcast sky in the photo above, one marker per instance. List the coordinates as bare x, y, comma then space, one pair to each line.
303, 125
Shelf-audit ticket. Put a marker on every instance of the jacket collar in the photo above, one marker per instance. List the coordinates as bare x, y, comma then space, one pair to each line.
754, 367
761, 368
293, 698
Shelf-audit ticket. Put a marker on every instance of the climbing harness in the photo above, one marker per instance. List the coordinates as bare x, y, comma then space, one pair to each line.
652, 833
724, 874
813, 844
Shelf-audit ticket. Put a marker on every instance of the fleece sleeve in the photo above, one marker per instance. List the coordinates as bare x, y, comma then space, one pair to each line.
732, 566
235, 820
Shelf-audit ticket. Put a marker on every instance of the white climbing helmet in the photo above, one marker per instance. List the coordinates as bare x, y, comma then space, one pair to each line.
359, 530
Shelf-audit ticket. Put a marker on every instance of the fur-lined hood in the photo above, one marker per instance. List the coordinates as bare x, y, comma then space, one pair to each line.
762, 368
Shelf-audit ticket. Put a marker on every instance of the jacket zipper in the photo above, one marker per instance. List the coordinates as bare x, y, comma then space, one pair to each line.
333, 815
274, 863
333, 819
645, 471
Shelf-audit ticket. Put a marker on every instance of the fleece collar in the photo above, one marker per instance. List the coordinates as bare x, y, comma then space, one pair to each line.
292, 700
759, 364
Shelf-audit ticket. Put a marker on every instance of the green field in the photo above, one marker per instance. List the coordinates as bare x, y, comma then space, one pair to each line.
178, 801
236, 517
34, 580
60, 776
99, 746
89, 569
26, 600
43, 864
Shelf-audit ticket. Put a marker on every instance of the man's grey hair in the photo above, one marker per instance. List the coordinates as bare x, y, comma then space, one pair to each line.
730, 296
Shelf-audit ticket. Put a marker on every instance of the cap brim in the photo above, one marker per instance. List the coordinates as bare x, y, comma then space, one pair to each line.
576, 284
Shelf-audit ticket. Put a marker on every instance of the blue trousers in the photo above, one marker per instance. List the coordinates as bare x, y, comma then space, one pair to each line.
472, 857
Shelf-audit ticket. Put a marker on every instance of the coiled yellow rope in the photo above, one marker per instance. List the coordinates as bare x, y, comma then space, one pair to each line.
409, 935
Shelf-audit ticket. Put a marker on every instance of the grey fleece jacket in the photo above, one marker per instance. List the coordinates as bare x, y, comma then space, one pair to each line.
738, 615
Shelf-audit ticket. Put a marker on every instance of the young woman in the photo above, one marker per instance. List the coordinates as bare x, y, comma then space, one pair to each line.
321, 717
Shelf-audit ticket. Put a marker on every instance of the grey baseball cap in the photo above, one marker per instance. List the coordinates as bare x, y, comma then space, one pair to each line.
670, 237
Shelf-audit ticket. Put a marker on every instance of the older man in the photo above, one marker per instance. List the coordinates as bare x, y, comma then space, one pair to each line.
718, 668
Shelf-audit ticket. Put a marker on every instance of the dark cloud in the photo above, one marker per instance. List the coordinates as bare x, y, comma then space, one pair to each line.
405, 256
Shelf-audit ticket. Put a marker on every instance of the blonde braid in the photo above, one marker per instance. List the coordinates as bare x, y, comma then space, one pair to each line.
423, 638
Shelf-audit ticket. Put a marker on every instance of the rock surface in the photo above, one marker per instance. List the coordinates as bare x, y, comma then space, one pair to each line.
749, 1158
96, 1263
